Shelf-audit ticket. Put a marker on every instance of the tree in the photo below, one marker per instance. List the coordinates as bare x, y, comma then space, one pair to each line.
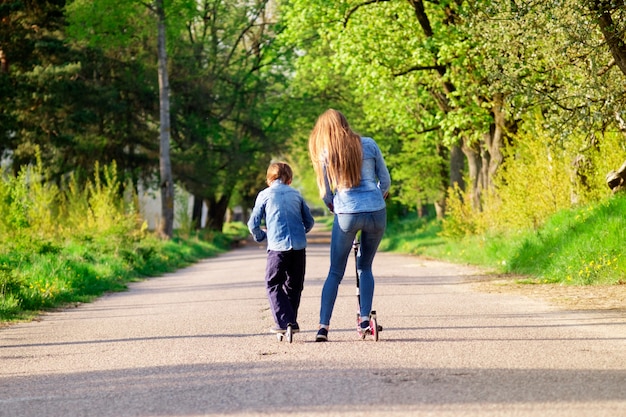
405, 61
468, 74
611, 29
107, 23
27, 40
230, 72
165, 164
74, 106
560, 59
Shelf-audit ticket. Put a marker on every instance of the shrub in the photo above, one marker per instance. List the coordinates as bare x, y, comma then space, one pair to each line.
540, 176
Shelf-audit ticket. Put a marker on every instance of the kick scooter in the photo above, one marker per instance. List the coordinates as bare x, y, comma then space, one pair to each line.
374, 328
285, 335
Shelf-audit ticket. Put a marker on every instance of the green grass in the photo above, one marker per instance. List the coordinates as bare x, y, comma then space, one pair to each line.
42, 276
84, 241
412, 235
581, 246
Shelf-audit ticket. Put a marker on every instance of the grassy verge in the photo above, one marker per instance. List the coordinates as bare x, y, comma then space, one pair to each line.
69, 243
41, 275
581, 246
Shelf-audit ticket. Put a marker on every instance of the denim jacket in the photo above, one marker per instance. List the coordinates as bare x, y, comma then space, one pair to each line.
368, 196
287, 218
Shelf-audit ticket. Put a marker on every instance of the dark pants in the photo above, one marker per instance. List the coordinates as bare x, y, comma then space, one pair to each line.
284, 277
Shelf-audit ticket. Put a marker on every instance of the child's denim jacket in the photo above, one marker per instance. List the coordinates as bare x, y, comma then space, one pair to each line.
287, 218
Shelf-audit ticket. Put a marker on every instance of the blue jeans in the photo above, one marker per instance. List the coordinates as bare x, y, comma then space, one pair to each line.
345, 227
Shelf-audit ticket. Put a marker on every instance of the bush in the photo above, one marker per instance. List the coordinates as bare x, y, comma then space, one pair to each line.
540, 176
73, 243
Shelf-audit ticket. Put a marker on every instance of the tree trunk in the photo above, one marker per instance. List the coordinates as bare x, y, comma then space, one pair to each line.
495, 141
217, 212
196, 213
165, 166
485, 158
610, 30
474, 165
457, 165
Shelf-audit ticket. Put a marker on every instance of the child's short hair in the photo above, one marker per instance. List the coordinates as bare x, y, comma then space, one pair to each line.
279, 170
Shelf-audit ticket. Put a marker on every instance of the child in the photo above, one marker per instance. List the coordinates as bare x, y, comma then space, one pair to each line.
287, 220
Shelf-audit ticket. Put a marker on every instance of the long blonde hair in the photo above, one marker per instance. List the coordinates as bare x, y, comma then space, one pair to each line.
334, 145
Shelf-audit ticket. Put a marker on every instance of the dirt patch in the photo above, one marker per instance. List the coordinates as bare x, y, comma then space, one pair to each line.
570, 297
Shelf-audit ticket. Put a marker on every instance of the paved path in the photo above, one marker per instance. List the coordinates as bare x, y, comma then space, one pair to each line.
195, 343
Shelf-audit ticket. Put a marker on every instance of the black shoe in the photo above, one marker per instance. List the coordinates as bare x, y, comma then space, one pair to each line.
322, 335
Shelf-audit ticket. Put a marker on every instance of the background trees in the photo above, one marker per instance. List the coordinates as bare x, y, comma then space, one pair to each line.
438, 78
107, 24
473, 93
76, 104
407, 64
229, 74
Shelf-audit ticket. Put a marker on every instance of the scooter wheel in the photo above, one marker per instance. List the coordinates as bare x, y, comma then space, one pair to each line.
374, 328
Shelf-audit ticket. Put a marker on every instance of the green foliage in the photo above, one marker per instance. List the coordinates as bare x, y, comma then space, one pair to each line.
540, 176
248, 79
353, 53
461, 219
535, 181
607, 152
68, 245
403, 82
413, 168
552, 54
10, 285
110, 24
236, 231
412, 234
80, 269
229, 76
72, 103
575, 246
28, 203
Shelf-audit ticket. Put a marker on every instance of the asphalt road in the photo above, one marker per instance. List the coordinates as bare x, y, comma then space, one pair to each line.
196, 343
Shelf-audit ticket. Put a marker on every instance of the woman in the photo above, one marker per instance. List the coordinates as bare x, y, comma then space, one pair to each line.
353, 181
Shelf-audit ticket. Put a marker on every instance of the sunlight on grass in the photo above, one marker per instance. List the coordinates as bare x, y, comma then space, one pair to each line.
581, 246
84, 242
